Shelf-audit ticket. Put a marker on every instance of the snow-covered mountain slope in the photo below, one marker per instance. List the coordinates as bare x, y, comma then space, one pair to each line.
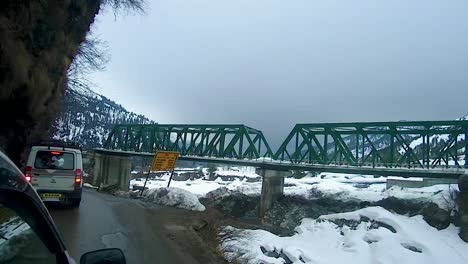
87, 117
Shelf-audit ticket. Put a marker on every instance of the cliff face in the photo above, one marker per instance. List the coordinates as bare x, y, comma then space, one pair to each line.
38, 40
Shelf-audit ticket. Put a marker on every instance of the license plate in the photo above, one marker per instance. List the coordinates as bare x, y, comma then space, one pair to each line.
51, 196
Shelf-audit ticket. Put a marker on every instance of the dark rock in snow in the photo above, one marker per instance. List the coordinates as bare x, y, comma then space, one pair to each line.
253, 179
237, 204
108, 188
182, 176
401, 206
464, 228
276, 254
353, 224
435, 216
199, 224
138, 188
288, 211
217, 194
271, 254
411, 247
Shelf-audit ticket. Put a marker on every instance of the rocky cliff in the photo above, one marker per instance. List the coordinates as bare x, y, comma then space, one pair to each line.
38, 40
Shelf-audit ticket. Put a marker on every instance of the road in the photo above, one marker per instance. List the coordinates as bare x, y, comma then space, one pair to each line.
109, 221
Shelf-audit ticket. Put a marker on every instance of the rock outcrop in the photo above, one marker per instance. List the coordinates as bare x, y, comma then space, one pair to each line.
38, 41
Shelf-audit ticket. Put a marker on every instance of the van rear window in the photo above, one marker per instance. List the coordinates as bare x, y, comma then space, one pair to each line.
56, 160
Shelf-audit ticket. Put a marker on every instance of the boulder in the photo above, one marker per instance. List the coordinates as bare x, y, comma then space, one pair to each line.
217, 194
181, 176
199, 224
237, 204
464, 228
108, 188
138, 188
401, 206
288, 211
435, 216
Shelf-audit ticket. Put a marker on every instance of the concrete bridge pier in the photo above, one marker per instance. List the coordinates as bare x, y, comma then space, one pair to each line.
109, 169
463, 206
272, 188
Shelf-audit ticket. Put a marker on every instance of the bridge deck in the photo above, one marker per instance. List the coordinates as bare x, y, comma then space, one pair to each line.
287, 166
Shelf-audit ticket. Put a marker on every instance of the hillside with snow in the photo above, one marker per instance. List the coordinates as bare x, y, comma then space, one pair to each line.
87, 117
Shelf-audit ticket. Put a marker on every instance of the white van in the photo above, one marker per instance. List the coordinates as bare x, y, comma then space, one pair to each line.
55, 170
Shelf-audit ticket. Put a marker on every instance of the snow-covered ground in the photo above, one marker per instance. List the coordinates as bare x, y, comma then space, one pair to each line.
373, 235
242, 171
368, 188
377, 236
340, 186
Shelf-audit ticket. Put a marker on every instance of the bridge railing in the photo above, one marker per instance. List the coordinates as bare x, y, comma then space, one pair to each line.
232, 141
406, 144
421, 144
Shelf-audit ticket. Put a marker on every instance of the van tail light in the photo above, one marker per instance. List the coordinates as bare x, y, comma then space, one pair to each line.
78, 177
28, 173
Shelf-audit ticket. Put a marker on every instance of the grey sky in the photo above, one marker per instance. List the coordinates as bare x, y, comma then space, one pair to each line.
272, 63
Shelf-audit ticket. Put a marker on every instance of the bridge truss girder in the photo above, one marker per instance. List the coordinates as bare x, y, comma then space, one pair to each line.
387, 144
226, 141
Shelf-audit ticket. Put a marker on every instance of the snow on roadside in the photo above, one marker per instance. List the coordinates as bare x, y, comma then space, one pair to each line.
377, 236
87, 185
175, 197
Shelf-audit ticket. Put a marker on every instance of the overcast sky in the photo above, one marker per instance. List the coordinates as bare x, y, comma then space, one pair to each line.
271, 64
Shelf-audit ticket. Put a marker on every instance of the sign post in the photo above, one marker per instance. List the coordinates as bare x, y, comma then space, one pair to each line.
170, 179
163, 161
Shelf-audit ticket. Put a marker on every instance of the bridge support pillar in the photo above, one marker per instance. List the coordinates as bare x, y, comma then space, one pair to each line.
272, 188
463, 206
110, 169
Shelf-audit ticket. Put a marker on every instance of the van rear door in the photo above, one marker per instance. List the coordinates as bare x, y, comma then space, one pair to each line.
54, 170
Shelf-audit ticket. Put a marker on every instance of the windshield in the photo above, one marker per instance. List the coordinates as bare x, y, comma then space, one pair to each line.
56, 160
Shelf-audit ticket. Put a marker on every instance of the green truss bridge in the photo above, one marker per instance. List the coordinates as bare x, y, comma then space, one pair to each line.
408, 148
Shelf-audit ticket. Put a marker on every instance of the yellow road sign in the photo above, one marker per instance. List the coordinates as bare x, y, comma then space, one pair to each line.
164, 160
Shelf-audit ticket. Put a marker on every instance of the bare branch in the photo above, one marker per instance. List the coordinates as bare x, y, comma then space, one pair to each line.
92, 56
451, 199
126, 6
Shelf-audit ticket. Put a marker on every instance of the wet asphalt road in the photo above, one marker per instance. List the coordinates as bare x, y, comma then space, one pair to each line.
104, 221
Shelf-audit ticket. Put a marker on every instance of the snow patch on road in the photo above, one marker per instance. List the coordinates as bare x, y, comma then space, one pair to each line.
370, 235
175, 197
115, 240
